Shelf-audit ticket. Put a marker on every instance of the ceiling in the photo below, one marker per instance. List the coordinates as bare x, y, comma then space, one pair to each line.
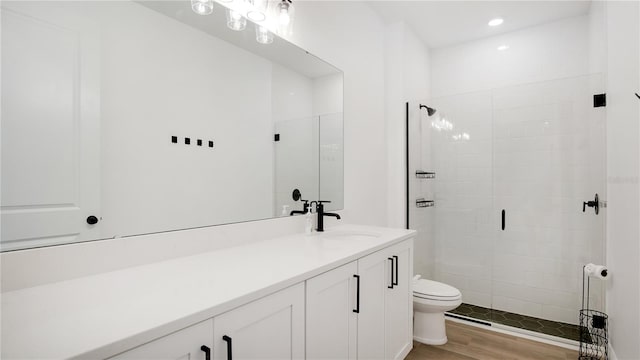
445, 23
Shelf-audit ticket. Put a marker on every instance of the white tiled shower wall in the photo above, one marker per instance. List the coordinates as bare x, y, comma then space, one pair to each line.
536, 150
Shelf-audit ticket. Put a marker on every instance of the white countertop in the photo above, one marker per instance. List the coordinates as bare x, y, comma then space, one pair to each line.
102, 315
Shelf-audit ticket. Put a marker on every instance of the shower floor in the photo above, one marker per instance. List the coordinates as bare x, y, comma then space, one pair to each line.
548, 327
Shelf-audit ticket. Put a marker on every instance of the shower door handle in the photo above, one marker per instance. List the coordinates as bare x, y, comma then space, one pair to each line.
504, 218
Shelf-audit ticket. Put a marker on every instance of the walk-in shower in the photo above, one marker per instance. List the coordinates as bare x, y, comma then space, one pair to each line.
510, 171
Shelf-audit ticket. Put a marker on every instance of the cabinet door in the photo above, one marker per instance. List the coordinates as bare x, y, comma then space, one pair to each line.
183, 345
268, 328
331, 320
399, 303
375, 277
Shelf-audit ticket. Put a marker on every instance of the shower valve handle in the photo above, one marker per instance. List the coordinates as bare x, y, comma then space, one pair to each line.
595, 204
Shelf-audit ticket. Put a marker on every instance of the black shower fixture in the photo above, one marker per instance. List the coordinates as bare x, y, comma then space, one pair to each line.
430, 111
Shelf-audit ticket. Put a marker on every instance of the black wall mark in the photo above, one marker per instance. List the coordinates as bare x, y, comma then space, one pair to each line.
599, 100
187, 141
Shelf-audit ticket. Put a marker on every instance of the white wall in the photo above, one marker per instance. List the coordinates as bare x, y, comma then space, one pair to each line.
623, 210
550, 51
328, 94
346, 34
407, 78
349, 35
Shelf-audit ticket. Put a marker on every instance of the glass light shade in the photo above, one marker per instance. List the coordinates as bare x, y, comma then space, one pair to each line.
257, 10
235, 20
263, 35
284, 13
202, 7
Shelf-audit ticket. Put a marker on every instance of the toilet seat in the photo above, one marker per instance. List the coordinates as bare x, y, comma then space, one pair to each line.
433, 290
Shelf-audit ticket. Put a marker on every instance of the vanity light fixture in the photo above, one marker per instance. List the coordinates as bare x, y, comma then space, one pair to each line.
202, 7
496, 22
503, 47
267, 19
235, 20
263, 35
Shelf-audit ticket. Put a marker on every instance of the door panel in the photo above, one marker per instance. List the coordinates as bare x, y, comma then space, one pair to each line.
399, 304
181, 345
375, 276
269, 328
52, 58
331, 323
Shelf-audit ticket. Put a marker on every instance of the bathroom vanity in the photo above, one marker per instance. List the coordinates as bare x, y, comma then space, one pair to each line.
344, 293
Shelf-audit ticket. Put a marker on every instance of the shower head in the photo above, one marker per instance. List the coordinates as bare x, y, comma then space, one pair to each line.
430, 111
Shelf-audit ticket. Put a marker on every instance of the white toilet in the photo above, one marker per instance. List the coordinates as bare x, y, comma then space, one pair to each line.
430, 301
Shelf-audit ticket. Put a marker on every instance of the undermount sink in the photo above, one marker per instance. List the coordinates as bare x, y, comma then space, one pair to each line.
340, 238
349, 234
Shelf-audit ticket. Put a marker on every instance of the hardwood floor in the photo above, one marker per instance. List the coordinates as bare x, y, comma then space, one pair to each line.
469, 342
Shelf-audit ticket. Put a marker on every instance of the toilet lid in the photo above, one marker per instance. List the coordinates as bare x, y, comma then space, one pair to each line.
430, 288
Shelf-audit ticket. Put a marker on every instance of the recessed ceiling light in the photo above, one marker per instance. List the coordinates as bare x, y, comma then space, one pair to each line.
496, 22
503, 47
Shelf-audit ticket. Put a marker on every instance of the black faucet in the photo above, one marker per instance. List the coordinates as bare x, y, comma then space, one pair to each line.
322, 214
305, 209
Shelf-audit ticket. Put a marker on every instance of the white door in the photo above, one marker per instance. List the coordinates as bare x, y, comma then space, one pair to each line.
399, 302
268, 328
331, 321
50, 126
375, 277
191, 343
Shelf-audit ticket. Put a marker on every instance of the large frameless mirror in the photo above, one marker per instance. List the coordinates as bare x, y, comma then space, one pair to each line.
122, 118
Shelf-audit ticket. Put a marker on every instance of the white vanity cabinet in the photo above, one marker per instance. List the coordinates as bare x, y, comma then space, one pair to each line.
191, 343
399, 303
271, 327
331, 321
268, 328
342, 294
362, 310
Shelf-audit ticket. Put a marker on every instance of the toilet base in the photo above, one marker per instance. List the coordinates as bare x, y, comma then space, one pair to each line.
429, 328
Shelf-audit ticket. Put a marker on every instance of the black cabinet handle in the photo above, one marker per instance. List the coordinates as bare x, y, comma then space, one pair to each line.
504, 216
391, 267
207, 352
357, 309
395, 257
229, 347
92, 220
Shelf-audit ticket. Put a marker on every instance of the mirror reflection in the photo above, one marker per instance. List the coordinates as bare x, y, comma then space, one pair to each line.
125, 118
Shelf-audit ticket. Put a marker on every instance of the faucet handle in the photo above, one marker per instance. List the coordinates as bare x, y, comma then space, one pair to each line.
323, 201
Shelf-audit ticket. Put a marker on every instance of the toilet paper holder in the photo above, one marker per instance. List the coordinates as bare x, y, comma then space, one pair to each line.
594, 334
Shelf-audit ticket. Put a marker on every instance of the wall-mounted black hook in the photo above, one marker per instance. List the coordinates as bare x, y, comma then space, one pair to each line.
638, 96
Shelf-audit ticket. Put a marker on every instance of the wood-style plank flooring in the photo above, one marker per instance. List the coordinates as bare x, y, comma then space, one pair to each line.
469, 342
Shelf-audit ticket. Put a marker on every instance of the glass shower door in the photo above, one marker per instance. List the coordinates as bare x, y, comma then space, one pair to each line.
455, 236
549, 157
